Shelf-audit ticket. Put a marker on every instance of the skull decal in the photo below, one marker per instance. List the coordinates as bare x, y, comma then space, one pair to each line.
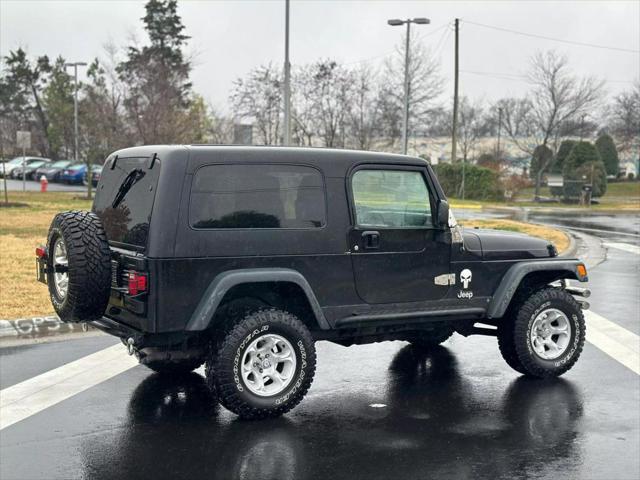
465, 277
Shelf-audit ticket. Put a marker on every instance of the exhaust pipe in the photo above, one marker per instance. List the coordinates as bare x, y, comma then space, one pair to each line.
581, 292
130, 346
584, 305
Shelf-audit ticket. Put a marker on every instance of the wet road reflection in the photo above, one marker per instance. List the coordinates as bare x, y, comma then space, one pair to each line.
436, 422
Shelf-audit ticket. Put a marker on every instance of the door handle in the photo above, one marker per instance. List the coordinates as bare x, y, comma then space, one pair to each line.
371, 240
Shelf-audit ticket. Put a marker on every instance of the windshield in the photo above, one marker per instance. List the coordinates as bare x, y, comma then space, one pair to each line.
60, 164
124, 201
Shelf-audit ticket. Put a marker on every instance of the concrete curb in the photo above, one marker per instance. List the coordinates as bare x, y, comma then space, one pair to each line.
571, 251
39, 327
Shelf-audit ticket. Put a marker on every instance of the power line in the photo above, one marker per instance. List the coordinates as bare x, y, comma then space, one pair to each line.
521, 78
570, 42
442, 42
502, 74
391, 52
494, 75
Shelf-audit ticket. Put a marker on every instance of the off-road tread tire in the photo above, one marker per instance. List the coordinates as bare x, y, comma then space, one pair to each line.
429, 340
89, 265
168, 367
506, 345
221, 379
531, 364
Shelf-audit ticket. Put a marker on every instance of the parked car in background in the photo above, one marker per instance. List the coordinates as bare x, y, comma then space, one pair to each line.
74, 174
96, 172
8, 167
29, 169
52, 171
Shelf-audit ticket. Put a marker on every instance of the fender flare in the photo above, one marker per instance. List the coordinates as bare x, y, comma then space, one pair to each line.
512, 278
223, 282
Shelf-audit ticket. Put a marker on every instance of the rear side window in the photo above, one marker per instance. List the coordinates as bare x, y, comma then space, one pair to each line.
124, 201
391, 199
257, 196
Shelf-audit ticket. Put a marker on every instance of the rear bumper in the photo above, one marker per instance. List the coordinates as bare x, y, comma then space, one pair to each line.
140, 340
116, 329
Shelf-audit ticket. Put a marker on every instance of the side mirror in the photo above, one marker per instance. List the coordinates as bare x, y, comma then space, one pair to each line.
443, 213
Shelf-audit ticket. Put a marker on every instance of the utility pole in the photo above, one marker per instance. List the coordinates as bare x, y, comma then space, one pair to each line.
499, 127
287, 79
75, 66
454, 130
407, 60
582, 126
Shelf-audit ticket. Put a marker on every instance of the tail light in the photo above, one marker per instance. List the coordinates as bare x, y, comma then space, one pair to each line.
41, 252
137, 283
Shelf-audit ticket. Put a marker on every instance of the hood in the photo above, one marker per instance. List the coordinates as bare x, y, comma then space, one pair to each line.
504, 245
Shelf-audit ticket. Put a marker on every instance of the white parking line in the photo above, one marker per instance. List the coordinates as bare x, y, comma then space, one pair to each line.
627, 247
614, 340
27, 398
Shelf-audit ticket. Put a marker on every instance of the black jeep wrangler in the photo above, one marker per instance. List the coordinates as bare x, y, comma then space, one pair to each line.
242, 257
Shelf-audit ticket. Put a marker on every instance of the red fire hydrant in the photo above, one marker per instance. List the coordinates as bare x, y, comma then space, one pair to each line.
43, 183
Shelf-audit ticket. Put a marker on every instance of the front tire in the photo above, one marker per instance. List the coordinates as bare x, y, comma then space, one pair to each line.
264, 365
547, 335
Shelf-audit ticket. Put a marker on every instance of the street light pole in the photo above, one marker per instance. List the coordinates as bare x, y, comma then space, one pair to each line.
287, 79
405, 113
407, 61
75, 66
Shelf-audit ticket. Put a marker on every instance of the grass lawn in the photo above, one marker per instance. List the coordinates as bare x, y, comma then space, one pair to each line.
619, 196
21, 230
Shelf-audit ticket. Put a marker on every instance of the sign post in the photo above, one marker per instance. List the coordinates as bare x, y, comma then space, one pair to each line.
23, 139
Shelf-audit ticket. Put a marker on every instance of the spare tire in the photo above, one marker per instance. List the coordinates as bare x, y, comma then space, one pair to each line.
79, 266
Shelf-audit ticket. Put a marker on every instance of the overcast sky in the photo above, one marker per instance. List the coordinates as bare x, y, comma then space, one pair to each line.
228, 38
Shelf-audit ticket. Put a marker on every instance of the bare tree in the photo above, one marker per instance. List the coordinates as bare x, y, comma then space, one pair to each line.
624, 118
557, 98
425, 85
302, 106
363, 114
220, 130
331, 92
470, 126
259, 97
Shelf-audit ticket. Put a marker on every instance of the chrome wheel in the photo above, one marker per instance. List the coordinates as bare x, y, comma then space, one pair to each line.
268, 365
550, 334
60, 279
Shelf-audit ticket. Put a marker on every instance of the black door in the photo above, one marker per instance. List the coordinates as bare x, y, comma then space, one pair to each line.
396, 250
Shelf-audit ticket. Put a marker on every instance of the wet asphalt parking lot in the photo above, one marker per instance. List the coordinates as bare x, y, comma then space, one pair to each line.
377, 411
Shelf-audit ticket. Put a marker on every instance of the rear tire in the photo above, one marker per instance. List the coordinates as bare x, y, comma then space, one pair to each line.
546, 336
78, 249
264, 365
